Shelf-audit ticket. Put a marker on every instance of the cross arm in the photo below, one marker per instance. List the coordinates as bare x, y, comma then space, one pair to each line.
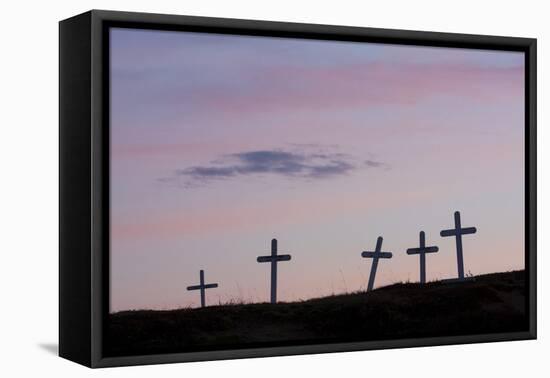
283, 258
194, 287
210, 286
414, 251
382, 255
262, 259
469, 230
448, 232
453, 232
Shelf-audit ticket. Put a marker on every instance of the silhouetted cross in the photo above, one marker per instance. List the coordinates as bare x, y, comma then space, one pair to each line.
273, 259
377, 254
422, 250
202, 287
458, 232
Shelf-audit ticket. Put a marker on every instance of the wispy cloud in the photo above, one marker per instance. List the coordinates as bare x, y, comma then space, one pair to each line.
376, 164
317, 165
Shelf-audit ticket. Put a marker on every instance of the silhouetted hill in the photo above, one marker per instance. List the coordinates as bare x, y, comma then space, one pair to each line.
489, 304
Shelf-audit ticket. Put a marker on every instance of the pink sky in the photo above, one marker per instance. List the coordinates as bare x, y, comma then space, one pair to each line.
221, 143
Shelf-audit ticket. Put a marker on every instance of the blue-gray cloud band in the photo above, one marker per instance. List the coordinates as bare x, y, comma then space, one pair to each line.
275, 162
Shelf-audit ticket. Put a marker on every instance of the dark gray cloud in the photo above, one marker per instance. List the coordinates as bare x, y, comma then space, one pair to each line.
318, 165
271, 162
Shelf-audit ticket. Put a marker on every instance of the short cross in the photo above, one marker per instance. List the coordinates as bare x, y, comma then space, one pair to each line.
457, 232
273, 259
422, 250
202, 287
377, 254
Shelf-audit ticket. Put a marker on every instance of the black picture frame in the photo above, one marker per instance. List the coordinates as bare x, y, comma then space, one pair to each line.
84, 174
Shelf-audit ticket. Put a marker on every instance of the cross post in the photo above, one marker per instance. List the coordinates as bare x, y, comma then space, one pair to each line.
422, 250
202, 287
273, 259
376, 255
457, 232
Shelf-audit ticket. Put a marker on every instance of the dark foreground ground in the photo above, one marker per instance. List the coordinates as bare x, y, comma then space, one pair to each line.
492, 303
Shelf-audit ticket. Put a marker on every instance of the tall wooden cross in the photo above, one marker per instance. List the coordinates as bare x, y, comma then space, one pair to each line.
202, 287
457, 232
422, 250
273, 259
377, 254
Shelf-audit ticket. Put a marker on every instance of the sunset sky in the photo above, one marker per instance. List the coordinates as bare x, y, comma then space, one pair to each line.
220, 143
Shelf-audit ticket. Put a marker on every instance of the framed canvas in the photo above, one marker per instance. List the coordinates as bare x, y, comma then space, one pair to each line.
235, 188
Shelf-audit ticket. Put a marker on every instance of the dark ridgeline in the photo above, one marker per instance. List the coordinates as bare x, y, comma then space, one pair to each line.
273, 259
376, 255
493, 303
202, 287
422, 250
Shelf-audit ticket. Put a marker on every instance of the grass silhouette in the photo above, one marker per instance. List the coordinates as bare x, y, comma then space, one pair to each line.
491, 303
